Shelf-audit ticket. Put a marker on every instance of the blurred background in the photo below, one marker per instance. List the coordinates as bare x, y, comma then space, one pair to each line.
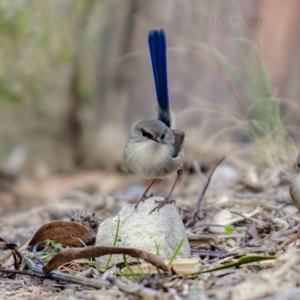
75, 75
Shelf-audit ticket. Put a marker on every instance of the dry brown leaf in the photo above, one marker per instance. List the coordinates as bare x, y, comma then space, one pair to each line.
65, 232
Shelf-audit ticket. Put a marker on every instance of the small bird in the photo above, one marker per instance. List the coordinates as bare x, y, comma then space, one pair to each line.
295, 192
153, 148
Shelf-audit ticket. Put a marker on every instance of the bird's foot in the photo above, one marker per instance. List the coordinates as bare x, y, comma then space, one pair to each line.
162, 204
142, 199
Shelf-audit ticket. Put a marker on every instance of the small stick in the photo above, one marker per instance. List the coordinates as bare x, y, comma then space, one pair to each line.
136, 289
196, 210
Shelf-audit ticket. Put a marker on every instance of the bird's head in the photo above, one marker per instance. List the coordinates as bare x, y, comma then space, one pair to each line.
153, 130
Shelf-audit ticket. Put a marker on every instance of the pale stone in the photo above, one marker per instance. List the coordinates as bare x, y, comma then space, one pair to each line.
139, 229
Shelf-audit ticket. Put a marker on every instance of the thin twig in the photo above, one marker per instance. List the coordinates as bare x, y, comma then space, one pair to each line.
137, 289
196, 210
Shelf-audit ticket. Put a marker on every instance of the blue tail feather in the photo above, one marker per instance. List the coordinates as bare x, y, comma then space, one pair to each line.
158, 53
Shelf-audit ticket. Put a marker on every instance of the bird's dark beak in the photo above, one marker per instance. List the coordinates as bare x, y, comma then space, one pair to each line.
156, 139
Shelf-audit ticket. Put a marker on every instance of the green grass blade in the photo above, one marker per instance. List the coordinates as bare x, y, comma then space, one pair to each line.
115, 243
175, 252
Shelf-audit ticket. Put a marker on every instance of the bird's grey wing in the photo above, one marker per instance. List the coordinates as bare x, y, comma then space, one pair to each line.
178, 141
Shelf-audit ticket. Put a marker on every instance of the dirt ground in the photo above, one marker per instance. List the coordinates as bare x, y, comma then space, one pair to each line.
250, 209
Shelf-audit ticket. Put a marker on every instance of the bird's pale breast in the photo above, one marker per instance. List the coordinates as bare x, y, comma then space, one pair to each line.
151, 159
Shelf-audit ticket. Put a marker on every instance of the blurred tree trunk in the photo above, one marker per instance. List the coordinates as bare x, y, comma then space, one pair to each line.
73, 124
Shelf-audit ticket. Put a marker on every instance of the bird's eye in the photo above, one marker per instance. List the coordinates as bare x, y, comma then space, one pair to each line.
162, 136
144, 133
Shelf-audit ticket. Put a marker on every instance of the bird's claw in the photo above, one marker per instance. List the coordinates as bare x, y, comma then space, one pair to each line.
142, 199
162, 204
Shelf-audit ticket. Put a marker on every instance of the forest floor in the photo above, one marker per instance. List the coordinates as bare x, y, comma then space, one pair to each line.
250, 208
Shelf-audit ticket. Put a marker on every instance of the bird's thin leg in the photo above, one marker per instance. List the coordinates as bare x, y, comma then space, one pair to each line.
167, 199
179, 173
144, 195
297, 236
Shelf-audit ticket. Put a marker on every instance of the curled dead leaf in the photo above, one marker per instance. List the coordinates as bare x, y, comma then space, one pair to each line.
67, 255
64, 232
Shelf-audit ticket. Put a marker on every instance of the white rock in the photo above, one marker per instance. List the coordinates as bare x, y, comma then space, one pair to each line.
140, 230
